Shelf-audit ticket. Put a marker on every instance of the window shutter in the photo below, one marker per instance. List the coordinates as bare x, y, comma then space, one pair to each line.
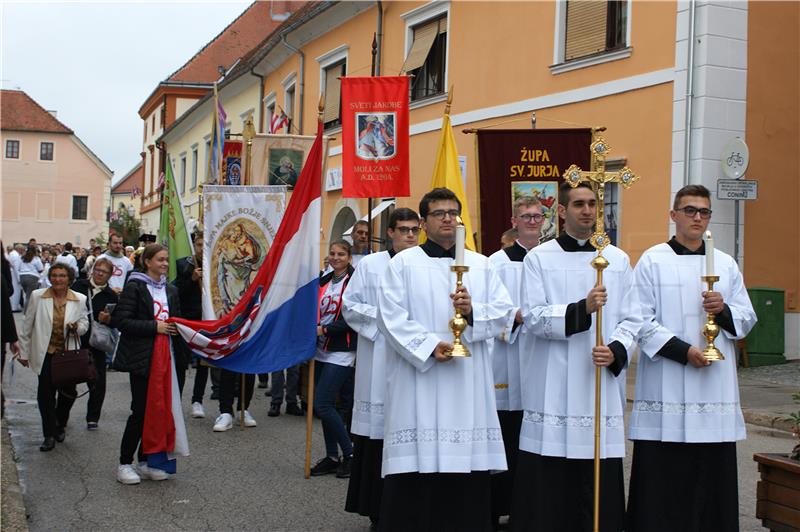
333, 89
424, 36
586, 28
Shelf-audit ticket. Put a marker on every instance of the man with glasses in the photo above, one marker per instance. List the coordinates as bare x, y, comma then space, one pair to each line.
441, 433
103, 299
360, 310
686, 416
553, 485
507, 262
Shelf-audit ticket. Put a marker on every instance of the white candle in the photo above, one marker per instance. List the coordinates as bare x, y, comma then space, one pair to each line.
461, 237
709, 254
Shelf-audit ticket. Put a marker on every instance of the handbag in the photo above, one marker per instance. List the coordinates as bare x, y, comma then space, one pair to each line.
73, 366
101, 336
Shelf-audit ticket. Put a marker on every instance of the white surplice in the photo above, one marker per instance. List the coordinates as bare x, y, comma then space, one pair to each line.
506, 348
676, 402
558, 374
360, 310
440, 417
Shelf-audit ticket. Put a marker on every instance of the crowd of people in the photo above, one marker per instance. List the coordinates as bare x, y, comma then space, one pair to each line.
428, 440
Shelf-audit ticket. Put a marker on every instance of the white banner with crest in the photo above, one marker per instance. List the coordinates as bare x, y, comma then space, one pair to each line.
240, 223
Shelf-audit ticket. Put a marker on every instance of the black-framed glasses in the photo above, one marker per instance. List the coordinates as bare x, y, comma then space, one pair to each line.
528, 217
441, 213
406, 230
690, 211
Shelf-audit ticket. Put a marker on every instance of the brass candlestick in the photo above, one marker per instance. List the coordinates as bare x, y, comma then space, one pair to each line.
711, 329
458, 324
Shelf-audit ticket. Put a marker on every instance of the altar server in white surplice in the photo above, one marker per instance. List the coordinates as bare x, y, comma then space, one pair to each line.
686, 415
527, 220
442, 436
553, 489
360, 309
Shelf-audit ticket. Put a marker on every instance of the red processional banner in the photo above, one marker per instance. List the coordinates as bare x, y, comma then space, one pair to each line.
375, 137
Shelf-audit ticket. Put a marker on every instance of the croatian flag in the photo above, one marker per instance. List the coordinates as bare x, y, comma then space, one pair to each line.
274, 325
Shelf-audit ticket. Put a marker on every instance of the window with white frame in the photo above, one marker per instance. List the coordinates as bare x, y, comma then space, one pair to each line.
194, 166
590, 28
288, 102
46, 150
269, 112
207, 159
80, 207
427, 58
183, 173
332, 67
12, 149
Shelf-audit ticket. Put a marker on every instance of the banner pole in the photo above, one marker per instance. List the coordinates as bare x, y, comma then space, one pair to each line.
309, 417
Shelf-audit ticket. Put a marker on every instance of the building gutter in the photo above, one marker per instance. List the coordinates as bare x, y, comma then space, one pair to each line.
689, 97
301, 78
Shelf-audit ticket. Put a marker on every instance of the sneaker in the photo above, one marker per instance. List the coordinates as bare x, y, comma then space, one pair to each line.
126, 474
248, 420
151, 473
326, 466
91, 425
294, 410
197, 410
343, 471
224, 422
274, 411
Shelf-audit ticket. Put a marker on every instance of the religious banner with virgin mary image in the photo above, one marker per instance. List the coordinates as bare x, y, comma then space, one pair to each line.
279, 159
240, 224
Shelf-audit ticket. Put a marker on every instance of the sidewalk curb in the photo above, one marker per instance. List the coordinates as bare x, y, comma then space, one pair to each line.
767, 419
13, 516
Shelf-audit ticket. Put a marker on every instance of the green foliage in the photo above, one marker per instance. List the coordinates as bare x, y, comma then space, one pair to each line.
126, 225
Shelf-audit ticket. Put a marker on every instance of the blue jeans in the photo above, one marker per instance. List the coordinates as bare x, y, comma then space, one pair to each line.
292, 376
332, 380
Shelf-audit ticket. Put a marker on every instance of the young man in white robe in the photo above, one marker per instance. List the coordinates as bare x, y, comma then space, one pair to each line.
527, 222
686, 415
554, 481
360, 310
441, 436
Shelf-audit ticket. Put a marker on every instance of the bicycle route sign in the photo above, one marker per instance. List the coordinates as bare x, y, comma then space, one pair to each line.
737, 189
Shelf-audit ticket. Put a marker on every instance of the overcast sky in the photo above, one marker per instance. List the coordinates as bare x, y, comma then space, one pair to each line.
96, 62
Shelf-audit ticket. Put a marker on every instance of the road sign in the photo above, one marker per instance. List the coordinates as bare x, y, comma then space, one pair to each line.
737, 189
735, 158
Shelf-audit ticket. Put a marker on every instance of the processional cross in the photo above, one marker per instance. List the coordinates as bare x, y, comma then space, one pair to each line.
597, 177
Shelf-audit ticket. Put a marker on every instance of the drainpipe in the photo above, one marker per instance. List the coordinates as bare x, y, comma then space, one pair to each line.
300, 79
688, 100
260, 98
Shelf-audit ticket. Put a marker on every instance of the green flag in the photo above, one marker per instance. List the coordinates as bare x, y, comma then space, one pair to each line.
172, 231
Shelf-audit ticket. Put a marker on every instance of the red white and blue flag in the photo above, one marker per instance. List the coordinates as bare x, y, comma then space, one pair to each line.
274, 324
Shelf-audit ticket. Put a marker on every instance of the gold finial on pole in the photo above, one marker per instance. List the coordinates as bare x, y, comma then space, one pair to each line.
597, 177
449, 100
247, 134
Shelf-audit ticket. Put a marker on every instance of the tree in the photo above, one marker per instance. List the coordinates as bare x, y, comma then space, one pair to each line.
122, 223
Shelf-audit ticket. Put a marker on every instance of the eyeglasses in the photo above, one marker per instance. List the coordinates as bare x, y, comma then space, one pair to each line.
104, 272
690, 212
528, 217
440, 214
406, 230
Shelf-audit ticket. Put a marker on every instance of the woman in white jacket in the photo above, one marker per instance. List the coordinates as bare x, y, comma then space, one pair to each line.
50, 316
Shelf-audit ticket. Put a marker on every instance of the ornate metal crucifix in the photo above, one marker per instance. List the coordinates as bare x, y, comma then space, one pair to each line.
597, 177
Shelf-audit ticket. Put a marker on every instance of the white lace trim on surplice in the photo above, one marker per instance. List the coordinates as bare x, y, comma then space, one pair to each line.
405, 436
366, 407
685, 408
552, 420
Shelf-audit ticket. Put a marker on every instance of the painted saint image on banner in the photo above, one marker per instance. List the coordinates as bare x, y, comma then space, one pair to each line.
284, 166
375, 136
237, 255
233, 171
547, 194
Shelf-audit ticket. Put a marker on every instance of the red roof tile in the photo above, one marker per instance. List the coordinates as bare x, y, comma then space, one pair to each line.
235, 41
20, 112
133, 179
